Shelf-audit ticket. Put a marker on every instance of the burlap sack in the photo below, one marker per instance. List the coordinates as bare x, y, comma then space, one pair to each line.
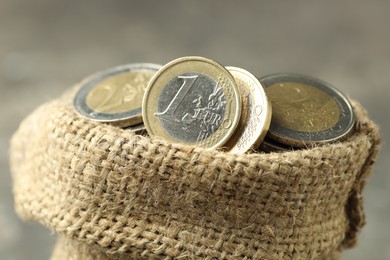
111, 194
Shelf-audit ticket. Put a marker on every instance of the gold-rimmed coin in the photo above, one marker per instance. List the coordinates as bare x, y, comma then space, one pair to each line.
192, 100
307, 111
256, 112
115, 95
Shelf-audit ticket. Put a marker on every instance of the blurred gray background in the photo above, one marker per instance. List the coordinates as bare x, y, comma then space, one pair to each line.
46, 46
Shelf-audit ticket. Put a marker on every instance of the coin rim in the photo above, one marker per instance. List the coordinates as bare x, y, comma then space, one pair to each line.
289, 136
266, 108
122, 119
180, 61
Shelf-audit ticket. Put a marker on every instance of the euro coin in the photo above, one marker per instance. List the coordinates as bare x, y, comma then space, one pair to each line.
307, 111
115, 95
256, 112
192, 100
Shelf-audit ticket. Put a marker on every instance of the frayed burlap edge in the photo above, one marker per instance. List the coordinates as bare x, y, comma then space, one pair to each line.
117, 195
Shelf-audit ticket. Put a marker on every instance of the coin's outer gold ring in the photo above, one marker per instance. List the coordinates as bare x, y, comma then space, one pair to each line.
176, 68
341, 130
121, 119
252, 127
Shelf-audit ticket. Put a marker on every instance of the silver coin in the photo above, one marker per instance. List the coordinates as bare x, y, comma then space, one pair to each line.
190, 117
192, 100
307, 111
115, 95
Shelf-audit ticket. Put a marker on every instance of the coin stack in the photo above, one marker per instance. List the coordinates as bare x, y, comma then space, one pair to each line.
196, 101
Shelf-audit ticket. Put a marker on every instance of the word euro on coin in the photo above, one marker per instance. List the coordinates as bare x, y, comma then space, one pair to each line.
115, 96
256, 112
307, 111
192, 100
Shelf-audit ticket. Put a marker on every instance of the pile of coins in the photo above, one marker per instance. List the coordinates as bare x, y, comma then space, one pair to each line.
196, 101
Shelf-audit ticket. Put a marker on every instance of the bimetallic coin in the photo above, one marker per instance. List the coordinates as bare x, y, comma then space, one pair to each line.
307, 111
192, 100
115, 96
256, 112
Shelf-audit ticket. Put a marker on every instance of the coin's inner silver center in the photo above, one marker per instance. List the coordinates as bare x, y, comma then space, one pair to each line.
191, 107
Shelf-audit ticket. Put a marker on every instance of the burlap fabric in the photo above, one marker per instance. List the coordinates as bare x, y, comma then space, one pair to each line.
111, 194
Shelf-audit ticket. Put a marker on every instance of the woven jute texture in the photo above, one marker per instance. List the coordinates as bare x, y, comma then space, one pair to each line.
111, 194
